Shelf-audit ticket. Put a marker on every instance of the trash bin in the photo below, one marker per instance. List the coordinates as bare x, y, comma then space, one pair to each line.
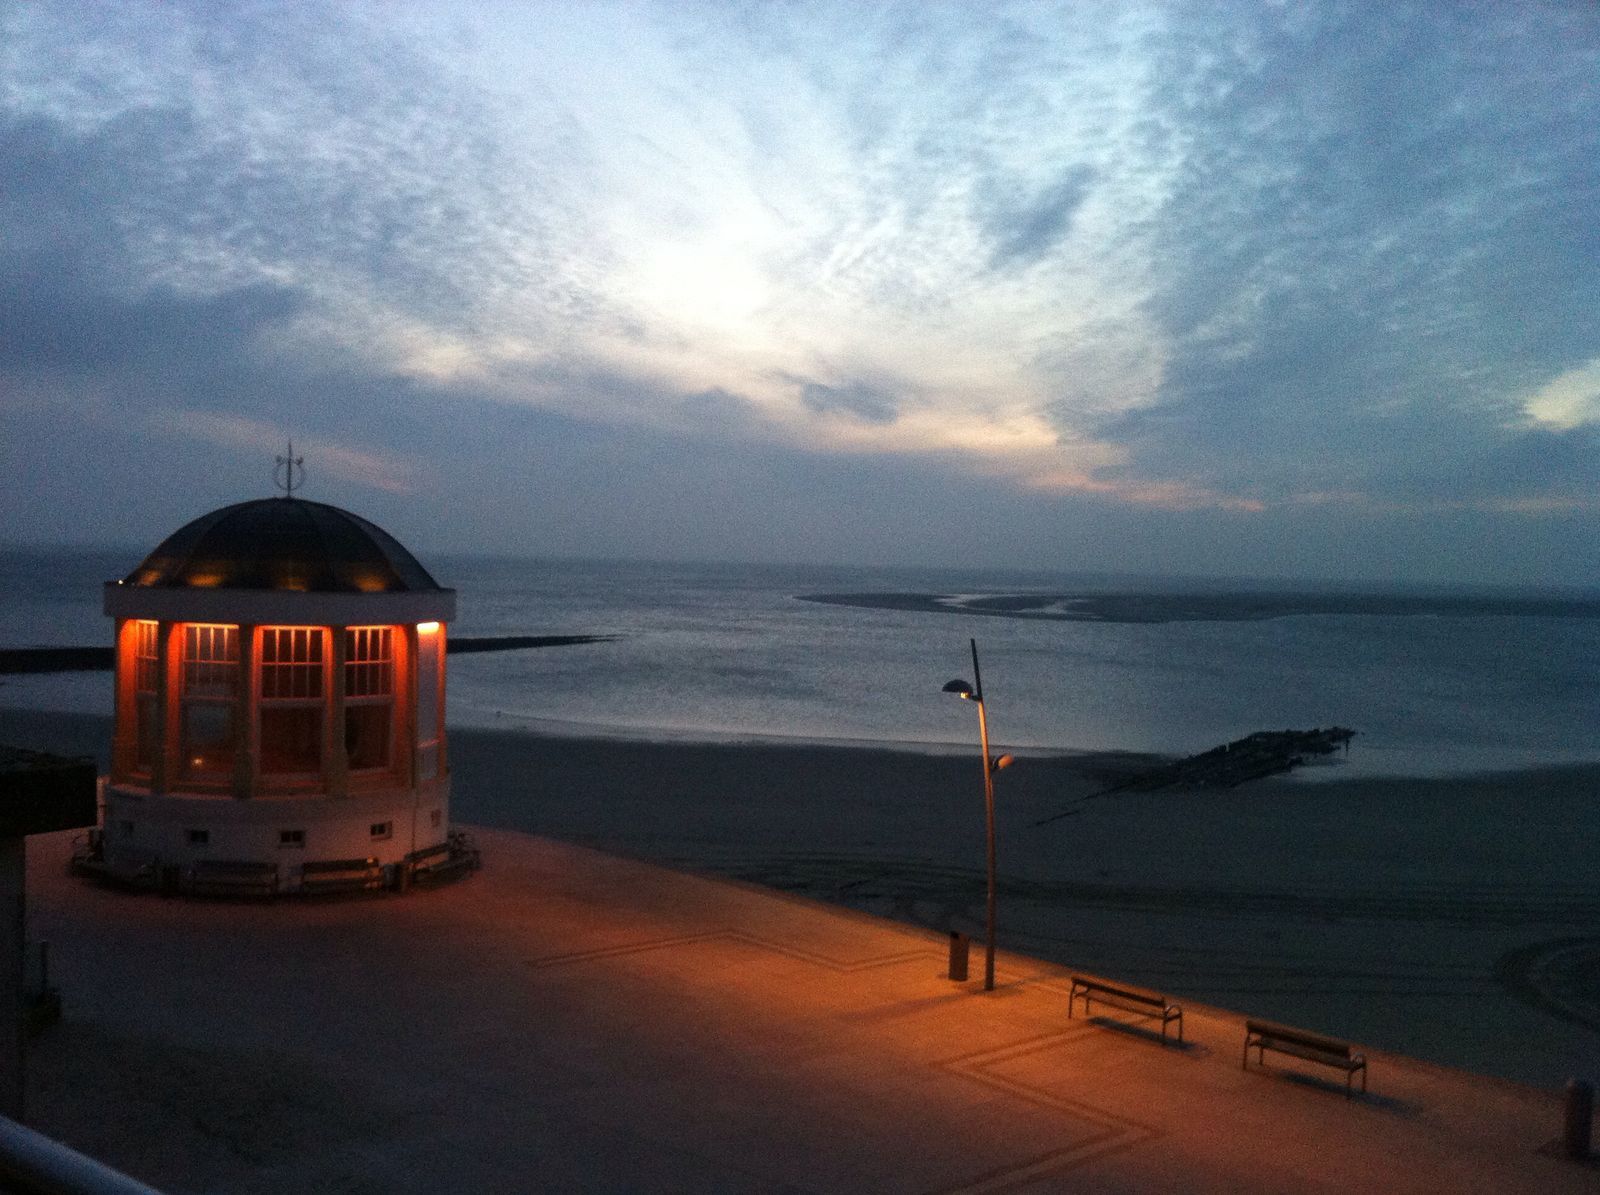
958, 956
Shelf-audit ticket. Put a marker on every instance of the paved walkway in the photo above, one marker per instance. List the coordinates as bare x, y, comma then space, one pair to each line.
568, 1020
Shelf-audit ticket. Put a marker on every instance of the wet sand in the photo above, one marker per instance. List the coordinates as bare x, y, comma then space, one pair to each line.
1456, 920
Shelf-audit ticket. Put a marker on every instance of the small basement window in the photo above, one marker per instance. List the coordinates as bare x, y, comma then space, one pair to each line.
198, 837
383, 829
291, 838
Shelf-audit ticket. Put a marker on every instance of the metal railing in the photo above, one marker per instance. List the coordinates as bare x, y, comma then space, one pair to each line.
33, 1164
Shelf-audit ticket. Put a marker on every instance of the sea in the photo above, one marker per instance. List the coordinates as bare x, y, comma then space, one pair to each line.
1434, 681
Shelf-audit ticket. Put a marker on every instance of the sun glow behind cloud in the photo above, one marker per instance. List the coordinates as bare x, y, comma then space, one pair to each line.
750, 217
759, 224
1568, 401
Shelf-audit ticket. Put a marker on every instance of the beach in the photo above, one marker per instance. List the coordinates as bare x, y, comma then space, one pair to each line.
1453, 919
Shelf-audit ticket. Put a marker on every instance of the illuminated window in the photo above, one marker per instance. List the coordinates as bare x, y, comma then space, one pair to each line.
292, 689
429, 642
146, 657
291, 663
146, 669
209, 695
368, 696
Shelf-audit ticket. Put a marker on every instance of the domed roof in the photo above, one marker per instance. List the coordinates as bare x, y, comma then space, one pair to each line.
284, 544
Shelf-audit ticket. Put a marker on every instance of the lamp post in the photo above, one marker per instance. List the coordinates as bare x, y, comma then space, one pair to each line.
974, 694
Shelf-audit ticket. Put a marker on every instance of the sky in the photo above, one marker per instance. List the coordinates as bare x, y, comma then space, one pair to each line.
1303, 290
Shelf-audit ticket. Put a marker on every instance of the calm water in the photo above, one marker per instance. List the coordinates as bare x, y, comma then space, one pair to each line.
707, 651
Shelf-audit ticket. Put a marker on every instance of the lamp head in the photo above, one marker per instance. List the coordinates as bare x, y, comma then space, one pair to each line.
960, 688
1004, 761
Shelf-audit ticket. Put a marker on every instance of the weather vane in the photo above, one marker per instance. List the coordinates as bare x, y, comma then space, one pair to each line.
288, 464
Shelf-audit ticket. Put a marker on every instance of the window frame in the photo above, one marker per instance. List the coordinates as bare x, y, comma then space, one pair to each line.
369, 682
208, 681
146, 658
307, 682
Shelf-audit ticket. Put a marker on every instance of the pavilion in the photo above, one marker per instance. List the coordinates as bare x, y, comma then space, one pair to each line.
280, 701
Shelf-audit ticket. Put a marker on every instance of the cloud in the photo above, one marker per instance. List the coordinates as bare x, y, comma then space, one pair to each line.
855, 400
1271, 264
1569, 400
331, 154
1158, 495
86, 336
1537, 469
1024, 229
379, 471
1372, 246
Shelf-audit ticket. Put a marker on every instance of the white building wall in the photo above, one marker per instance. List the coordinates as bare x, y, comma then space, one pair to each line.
140, 830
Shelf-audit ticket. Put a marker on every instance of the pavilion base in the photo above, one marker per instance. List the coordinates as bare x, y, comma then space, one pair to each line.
243, 879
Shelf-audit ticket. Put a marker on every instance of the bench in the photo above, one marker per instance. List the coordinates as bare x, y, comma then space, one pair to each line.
1313, 1047
230, 877
429, 856
445, 860
341, 875
1139, 1001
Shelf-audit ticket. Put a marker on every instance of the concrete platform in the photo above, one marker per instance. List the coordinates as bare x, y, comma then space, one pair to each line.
569, 1020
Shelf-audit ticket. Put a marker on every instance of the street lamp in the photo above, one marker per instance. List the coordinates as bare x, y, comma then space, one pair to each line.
974, 694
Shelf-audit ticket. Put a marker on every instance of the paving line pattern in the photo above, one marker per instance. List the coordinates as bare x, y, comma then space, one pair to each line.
1109, 1132
1112, 1133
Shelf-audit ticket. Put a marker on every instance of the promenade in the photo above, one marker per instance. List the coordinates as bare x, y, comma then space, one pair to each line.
571, 1020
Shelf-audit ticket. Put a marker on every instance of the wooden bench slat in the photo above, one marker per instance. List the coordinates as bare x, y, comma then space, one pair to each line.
341, 875
323, 866
1303, 1036
1138, 1001
1301, 1043
230, 877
